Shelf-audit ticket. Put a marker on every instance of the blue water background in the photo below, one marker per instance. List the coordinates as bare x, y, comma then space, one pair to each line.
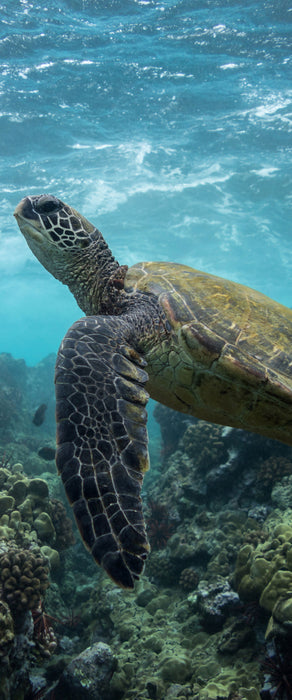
167, 123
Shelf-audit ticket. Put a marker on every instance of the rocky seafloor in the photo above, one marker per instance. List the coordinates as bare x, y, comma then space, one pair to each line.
211, 617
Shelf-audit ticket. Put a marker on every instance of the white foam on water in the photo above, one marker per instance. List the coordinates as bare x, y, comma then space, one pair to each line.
90, 146
44, 66
219, 28
137, 151
169, 184
266, 172
103, 198
272, 108
230, 66
107, 195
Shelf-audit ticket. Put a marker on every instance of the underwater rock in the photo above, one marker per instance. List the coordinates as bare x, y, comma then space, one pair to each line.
216, 600
87, 677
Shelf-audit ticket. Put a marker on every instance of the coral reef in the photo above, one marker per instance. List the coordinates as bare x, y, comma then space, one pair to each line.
172, 427
159, 524
28, 514
24, 579
271, 471
203, 442
6, 629
62, 525
218, 512
43, 631
188, 579
264, 573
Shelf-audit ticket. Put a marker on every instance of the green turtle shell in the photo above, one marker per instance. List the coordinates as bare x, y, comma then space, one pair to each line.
197, 343
229, 358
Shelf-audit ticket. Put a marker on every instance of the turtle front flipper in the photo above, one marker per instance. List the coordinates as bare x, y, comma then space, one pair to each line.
102, 441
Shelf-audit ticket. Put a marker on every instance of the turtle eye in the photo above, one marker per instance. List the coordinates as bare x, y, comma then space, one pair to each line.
47, 204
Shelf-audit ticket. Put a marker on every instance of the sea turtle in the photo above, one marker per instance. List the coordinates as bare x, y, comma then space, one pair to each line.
195, 342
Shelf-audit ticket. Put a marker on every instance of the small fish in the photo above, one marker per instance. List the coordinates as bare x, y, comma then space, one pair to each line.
47, 453
39, 415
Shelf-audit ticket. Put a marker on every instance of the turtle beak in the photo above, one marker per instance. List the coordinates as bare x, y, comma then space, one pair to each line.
27, 219
18, 209
25, 210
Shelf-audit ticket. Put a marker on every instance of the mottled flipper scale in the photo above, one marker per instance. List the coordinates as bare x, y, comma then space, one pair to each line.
102, 441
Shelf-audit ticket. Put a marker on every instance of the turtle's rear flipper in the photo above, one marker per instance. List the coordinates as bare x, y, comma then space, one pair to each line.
102, 441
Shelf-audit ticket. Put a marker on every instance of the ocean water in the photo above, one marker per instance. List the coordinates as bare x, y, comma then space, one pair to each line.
166, 122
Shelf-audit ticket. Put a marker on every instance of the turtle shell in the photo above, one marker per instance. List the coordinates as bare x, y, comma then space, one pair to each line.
229, 359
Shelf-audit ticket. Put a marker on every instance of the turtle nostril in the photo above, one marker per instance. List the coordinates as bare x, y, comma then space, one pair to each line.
47, 204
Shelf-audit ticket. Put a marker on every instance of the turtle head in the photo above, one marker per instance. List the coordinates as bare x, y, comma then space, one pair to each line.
51, 227
67, 245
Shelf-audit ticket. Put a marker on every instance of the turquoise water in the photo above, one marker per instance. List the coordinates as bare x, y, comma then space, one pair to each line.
168, 124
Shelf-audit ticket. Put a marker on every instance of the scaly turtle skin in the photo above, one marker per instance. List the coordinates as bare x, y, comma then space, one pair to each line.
197, 343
